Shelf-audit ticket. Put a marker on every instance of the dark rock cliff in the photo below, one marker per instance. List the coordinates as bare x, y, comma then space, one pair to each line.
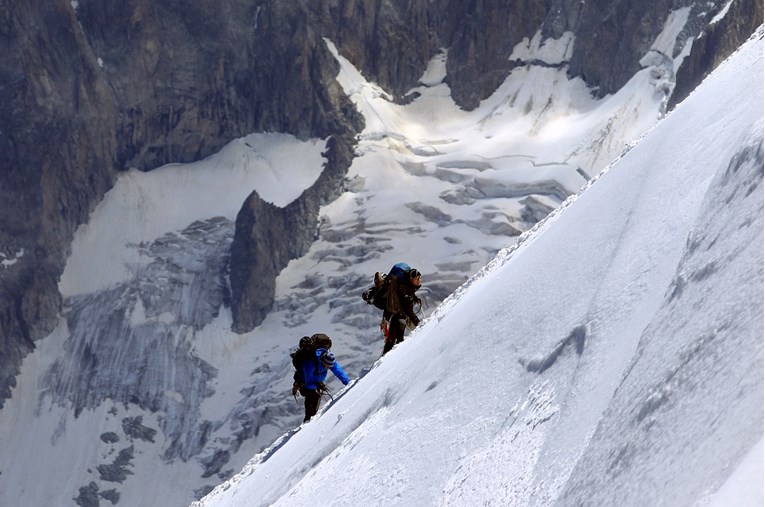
57, 150
612, 36
716, 43
268, 237
90, 89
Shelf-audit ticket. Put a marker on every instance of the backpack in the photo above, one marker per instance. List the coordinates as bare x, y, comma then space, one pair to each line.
400, 271
376, 295
307, 350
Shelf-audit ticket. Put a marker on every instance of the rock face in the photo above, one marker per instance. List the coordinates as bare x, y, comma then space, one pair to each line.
715, 44
613, 36
91, 88
57, 150
480, 37
268, 237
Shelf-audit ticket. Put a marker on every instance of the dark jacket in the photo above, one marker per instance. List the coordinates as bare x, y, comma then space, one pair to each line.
407, 299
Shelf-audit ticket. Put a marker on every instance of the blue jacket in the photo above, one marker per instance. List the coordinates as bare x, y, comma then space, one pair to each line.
314, 372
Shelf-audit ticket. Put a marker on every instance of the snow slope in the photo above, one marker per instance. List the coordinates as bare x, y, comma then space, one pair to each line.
613, 356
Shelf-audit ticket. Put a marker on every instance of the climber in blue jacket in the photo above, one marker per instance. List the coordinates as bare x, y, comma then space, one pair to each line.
312, 367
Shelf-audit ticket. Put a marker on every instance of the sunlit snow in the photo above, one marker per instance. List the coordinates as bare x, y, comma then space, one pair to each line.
143, 206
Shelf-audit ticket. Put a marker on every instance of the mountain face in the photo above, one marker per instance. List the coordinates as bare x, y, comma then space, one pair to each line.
102, 88
390, 43
91, 89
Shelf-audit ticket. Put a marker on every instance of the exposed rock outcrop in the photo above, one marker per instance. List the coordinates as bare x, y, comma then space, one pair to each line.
716, 43
480, 37
268, 237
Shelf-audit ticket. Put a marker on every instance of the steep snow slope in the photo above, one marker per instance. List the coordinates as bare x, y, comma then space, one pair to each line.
614, 356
